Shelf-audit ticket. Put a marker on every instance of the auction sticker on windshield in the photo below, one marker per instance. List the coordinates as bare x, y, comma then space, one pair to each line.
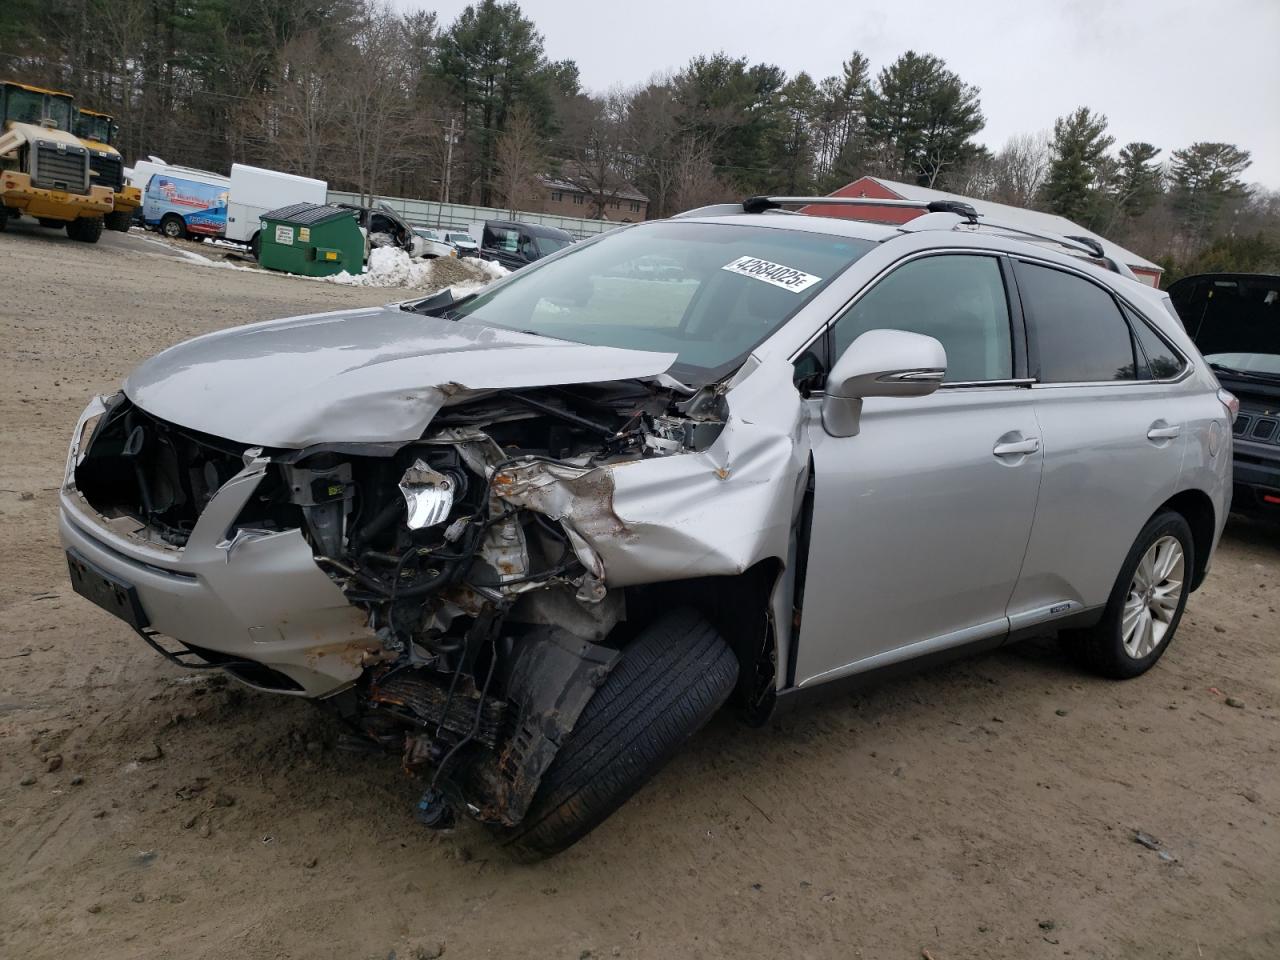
780, 275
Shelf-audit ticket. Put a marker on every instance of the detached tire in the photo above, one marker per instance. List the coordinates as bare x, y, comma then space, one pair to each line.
669, 682
1145, 606
85, 229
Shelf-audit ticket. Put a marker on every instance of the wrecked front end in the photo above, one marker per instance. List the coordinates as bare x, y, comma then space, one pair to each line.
459, 597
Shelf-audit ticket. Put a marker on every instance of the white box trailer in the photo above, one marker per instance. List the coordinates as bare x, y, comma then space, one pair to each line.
254, 191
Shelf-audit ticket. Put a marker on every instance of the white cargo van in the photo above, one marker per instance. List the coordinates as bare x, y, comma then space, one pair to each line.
254, 191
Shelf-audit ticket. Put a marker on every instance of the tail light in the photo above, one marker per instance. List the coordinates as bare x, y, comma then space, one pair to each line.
1230, 401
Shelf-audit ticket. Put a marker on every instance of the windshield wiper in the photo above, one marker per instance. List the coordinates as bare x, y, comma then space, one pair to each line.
1247, 374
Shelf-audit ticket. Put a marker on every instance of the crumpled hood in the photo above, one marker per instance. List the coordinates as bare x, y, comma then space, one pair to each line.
357, 376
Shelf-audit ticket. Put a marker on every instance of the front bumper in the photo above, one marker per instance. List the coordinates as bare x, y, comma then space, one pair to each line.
17, 192
257, 597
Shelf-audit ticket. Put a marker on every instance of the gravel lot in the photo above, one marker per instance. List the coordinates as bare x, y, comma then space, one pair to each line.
983, 810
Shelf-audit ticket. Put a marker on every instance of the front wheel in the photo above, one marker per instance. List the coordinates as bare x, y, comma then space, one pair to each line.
670, 680
85, 229
173, 227
1146, 603
118, 220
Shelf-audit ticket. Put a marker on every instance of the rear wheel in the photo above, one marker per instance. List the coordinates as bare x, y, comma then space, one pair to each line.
118, 220
670, 680
173, 227
1146, 603
85, 229
255, 244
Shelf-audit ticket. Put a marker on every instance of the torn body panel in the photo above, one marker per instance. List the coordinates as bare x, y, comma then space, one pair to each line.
713, 512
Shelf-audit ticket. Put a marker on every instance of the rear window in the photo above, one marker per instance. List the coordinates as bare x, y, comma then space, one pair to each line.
1077, 330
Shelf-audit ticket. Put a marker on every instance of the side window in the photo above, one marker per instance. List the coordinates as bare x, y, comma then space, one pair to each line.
1078, 330
1162, 361
959, 299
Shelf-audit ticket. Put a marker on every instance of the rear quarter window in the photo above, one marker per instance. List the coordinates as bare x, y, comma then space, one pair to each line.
1162, 362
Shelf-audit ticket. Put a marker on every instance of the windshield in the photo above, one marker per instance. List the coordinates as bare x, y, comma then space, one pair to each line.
1235, 322
59, 108
710, 292
94, 128
459, 238
27, 106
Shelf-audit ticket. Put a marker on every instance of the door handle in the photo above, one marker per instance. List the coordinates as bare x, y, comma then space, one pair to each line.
1017, 448
1161, 430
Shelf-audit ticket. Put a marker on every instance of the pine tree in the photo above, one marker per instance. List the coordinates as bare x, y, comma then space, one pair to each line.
1205, 176
1080, 145
1139, 178
922, 118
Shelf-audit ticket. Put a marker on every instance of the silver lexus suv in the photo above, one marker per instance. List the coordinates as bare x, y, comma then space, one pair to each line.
531, 539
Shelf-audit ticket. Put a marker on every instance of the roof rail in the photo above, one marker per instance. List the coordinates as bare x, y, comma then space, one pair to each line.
967, 213
1088, 245
958, 207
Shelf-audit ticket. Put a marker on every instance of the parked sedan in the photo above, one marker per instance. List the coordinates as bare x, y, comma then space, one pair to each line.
532, 539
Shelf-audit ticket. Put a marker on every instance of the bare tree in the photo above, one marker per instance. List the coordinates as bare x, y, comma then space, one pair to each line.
300, 115
518, 160
1021, 167
379, 128
594, 128
695, 180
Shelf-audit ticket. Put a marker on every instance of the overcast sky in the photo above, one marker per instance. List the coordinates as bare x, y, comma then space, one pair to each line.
1167, 71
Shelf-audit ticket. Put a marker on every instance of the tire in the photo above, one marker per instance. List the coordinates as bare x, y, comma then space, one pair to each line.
672, 677
4, 217
1102, 648
85, 229
173, 227
255, 244
118, 220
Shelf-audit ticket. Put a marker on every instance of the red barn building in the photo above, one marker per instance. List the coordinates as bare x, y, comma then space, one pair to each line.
876, 188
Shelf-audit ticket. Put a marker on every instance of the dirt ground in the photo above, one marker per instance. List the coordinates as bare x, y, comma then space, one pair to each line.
982, 810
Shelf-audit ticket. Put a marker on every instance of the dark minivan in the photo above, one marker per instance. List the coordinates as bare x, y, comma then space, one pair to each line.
515, 245
1234, 318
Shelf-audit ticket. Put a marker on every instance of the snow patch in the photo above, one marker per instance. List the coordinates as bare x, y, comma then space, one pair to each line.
393, 267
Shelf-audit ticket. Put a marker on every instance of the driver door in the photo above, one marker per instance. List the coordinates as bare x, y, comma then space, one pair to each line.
921, 520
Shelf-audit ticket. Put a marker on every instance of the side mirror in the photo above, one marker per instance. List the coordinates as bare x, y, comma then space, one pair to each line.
880, 363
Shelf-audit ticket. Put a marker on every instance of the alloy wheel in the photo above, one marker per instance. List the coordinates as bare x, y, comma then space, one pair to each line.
1153, 598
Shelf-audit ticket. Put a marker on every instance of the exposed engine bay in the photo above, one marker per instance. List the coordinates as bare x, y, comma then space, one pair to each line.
490, 615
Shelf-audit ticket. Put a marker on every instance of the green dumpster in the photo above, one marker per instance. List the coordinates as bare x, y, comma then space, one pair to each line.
311, 239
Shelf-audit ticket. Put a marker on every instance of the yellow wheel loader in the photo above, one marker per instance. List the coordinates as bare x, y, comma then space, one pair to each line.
98, 132
44, 168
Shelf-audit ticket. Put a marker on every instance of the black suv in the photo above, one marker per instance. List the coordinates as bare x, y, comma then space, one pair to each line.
515, 245
1234, 318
